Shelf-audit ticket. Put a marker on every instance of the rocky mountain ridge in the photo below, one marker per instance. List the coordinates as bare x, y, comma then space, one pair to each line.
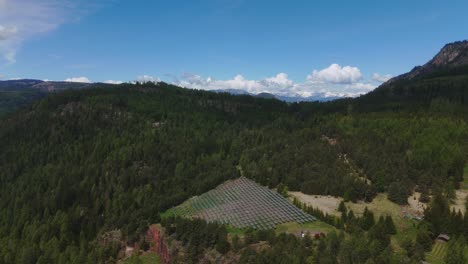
452, 55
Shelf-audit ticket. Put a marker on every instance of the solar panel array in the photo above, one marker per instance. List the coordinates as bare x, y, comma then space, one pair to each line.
242, 203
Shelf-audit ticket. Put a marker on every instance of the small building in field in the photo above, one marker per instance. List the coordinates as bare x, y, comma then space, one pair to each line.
314, 234
443, 238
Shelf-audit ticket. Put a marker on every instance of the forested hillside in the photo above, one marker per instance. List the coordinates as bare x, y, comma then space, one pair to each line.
80, 163
15, 94
440, 83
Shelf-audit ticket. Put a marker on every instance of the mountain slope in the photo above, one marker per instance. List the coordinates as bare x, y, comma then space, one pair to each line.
80, 163
441, 82
43, 86
452, 55
15, 94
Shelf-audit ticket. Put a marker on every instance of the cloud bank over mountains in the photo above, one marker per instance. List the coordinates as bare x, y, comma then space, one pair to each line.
78, 80
333, 81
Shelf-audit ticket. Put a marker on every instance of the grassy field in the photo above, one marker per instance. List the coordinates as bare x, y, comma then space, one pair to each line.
295, 228
291, 227
379, 206
437, 255
464, 185
235, 231
148, 258
458, 204
326, 203
406, 228
170, 212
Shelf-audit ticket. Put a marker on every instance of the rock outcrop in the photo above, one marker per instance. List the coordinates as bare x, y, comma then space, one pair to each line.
158, 243
450, 56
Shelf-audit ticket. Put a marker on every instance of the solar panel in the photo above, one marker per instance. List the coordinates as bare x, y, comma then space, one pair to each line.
243, 203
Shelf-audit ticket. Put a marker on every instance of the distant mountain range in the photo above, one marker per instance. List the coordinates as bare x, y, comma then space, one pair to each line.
321, 97
42, 86
452, 60
15, 94
422, 83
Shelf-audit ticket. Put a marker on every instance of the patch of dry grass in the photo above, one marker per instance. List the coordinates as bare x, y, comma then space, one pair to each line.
380, 206
326, 203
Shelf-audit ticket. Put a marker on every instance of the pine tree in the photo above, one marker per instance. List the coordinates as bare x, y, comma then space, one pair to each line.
450, 189
397, 193
423, 237
389, 225
378, 232
351, 216
437, 213
283, 190
222, 246
236, 243
367, 220
333, 244
342, 207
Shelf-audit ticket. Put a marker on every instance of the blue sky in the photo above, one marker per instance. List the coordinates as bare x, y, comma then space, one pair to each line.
284, 47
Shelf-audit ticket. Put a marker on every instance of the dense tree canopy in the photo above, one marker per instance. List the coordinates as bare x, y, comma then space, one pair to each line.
81, 163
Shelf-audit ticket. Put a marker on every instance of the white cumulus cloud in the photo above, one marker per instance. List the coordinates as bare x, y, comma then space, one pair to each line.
277, 84
381, 78
147, 78
336, 74
113, 82
333, 81
280, 80
78, 80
